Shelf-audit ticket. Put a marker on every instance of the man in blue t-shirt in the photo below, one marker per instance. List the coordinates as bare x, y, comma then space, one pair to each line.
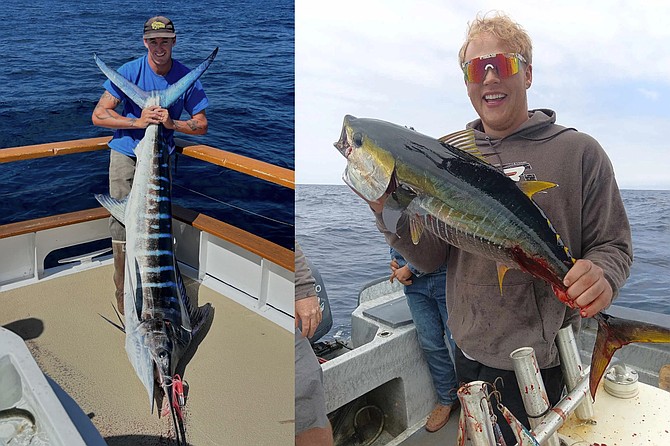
154, 71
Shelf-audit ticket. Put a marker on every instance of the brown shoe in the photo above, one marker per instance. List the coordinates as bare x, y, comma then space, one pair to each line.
439, 417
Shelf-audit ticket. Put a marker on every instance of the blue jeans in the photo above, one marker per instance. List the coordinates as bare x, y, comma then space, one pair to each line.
427, 303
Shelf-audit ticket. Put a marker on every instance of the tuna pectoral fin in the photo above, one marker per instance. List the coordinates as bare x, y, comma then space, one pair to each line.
613, 333
395, 205
115, 207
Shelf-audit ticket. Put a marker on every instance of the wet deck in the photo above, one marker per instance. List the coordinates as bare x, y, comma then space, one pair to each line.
241, 376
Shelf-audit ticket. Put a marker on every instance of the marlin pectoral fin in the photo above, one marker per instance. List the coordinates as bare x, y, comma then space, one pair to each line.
613, 333
115, 207
136, 349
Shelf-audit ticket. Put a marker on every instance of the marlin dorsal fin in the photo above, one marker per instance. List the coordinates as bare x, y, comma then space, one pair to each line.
463, 140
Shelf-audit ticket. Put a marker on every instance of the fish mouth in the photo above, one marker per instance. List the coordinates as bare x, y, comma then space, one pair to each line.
343, 145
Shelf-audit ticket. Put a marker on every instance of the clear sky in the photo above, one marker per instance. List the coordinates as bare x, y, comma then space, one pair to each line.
603, 67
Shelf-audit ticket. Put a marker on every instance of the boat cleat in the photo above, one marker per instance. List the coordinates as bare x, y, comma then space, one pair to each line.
621, 381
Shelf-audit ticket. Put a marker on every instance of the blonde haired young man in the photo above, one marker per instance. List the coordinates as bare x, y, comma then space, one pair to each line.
586, 210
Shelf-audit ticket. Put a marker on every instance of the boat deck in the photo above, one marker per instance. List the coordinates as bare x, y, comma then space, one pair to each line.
240, 377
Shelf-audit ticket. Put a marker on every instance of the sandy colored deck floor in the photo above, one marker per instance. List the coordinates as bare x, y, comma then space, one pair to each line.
241, 376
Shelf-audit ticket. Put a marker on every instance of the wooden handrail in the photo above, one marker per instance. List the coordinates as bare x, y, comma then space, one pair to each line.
259, 169
11, 154
264, 248
54, 221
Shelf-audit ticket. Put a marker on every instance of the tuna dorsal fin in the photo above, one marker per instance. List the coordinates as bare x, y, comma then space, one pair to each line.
530, 188
502, 269
174, 91
463, 140
416, 229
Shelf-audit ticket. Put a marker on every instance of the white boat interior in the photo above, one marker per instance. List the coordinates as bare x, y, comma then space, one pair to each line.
379, 391
239, 370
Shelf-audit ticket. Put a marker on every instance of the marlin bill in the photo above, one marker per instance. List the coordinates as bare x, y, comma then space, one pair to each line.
160, 320
446, 187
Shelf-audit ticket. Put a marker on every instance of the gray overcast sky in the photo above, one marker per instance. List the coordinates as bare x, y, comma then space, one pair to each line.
603, 66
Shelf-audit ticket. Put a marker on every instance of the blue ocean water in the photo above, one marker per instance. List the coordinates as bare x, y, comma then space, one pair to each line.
49, 85
337, 232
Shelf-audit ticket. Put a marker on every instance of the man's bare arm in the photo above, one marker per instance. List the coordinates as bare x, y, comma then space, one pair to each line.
197, 125
105, 115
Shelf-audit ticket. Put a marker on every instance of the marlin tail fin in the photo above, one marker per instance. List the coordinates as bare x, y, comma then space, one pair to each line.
166, 97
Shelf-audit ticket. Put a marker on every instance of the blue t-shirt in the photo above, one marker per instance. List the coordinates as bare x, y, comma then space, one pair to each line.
140, 73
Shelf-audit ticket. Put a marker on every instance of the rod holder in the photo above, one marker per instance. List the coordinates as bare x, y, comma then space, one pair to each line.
531, 385
573, 369
476, 410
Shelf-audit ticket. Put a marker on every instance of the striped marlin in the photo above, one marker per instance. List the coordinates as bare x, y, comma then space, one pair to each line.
159, 317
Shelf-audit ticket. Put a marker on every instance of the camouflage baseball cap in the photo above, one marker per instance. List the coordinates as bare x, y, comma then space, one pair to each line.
158, 26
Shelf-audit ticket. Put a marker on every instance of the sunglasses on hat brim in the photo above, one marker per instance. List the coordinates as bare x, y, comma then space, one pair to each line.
505, 64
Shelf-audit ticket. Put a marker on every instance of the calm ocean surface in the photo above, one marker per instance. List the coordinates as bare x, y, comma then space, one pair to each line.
337, 232
49, 85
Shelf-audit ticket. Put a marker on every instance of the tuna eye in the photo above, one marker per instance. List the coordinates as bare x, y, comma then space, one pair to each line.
358, 139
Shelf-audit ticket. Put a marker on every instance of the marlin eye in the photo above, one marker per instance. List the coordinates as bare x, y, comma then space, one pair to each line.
358, 139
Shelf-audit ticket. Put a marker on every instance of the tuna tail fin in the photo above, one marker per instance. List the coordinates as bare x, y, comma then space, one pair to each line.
168, 96
613, 333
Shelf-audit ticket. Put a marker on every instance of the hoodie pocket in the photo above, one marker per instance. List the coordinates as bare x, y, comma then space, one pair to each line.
489, 326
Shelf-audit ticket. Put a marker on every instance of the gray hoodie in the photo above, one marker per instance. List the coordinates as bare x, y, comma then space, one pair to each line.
585, 209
